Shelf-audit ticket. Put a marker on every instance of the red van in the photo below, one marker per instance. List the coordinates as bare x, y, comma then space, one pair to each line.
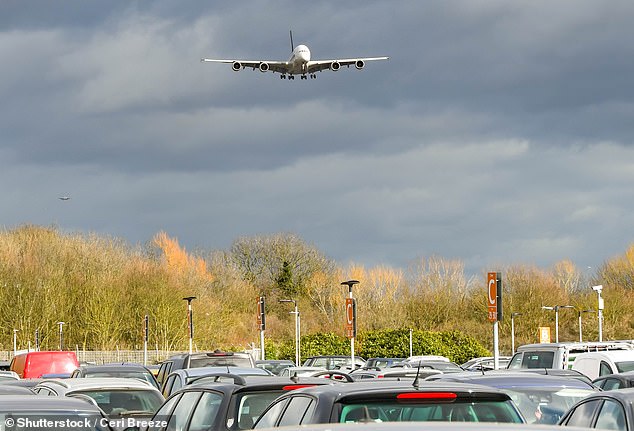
32, 365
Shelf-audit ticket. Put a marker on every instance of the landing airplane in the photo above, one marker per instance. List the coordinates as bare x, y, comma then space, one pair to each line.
299, 63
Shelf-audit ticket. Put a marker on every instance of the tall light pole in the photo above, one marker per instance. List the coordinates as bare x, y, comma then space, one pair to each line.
297, 337
351, 318
557, 308
513, 315
598, 289
580, 312
61, 335
190, 321
15, 341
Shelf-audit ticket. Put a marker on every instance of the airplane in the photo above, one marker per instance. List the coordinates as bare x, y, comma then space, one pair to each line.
64, 198
299, 63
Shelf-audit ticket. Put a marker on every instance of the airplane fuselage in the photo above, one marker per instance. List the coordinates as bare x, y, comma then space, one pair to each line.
298, 61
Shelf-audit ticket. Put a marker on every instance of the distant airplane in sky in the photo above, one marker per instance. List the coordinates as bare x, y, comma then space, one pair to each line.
299, 63
64, 198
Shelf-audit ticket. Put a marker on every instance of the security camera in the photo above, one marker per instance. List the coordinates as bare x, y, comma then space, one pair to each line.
598, 288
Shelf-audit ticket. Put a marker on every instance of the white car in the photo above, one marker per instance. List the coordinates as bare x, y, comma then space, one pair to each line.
597, 364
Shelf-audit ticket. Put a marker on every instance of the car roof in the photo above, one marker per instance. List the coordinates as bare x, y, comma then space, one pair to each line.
260, 383
113, 367
205, 371
21, 403
98, 383
428, 426
626, 395
510, 379
612, 354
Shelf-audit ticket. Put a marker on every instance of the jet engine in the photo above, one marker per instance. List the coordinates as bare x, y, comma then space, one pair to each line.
359, 64
264, 67
236, 66
335, 66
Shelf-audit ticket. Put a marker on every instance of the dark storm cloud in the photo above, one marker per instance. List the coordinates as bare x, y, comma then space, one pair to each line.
498, 131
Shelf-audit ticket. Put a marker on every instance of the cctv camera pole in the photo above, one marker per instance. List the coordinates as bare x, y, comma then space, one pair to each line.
61, 335
146, 324
261, 322
37, 340
190, 321
598, 289
15, 342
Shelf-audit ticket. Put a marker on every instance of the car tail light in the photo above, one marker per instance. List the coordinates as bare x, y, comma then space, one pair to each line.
427, 396
293, 387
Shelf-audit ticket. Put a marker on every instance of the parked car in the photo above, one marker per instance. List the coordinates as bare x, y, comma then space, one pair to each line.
8, 375
334, 362
428, 426
203, 359
595, 364
116, 397
83, 415
540, 398
485, 363
227, 405
390, 401
180, 378
381, 362
30, 365
611, 410
615, 381
300, 371
275, 365
131, 371
559, 355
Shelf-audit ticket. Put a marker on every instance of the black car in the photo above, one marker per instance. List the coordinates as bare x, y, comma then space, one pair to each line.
126, 370
390, 401
611, 410
615, 381
540, 398
217, 358
226, 405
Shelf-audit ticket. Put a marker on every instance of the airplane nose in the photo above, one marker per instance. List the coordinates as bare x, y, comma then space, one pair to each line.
305, 56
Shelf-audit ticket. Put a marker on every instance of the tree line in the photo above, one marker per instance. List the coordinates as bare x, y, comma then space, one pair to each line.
102, 287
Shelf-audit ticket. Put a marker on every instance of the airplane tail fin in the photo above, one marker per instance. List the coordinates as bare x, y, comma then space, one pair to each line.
292, 46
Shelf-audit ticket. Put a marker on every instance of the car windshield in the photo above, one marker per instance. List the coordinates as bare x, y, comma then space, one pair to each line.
220, 361
126, 402
545, 405
146, 377
46, 421
625, 366
482, 411
249, 407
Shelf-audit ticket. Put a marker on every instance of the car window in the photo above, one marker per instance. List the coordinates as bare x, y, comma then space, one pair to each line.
625, 366
581, 416
206, 411
611, 416
605, 369
296, 410
610, 383
538, 360
182, 411
251, 405
163, 414
268, 419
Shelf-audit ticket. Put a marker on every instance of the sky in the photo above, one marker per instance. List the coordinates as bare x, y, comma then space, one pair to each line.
498, 133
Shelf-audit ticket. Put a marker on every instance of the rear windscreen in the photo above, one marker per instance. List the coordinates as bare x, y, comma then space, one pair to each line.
220, 361
468, 411
538, 360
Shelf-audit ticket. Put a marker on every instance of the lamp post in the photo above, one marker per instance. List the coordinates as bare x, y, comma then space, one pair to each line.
15, 341
580, 327
351, 283
557, 308
513, 315
61, 335
598, 289
190, 321
297, 337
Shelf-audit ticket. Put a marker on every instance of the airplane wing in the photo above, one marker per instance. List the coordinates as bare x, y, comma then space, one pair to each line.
261, 65
359, 63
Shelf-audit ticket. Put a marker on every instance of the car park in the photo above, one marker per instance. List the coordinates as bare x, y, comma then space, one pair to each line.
540, 398
203, 359
232, 404
116, 397
133, 371
390, 401
275, 366
615, 381
610, 410
79, 415
180, 378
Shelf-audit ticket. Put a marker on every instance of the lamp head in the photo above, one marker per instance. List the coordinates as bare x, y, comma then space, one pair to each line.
598, 288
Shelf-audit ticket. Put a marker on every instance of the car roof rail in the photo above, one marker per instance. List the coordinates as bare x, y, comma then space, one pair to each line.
237, 379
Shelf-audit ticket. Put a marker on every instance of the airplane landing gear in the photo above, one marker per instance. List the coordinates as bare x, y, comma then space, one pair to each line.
304, 77
313, 76
282, 76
